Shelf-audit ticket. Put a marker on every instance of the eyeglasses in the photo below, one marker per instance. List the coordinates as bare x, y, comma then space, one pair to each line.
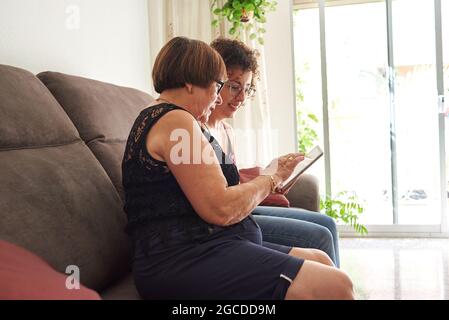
235, 89
219, 84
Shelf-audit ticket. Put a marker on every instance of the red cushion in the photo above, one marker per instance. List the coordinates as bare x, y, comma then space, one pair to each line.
275, 199
25, 276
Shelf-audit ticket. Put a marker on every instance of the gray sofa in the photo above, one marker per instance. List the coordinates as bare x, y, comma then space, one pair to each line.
62, 139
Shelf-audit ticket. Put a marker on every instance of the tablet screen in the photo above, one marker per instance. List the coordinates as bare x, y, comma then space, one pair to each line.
309, 159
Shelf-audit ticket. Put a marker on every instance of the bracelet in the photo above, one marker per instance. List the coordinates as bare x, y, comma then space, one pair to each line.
273, 184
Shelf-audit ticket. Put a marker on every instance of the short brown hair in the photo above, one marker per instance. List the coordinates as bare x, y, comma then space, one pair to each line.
183, 60
236, 54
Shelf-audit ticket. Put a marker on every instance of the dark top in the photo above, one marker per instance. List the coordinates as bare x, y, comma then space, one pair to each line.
153, 198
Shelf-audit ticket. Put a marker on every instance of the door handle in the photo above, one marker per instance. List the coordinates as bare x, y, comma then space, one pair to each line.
441, 108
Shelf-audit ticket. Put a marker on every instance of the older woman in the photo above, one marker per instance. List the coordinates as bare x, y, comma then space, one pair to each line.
188, 216
307, 229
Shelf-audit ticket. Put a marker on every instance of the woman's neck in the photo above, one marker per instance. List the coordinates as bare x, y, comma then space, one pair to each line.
177, 97
217, 128
215, 121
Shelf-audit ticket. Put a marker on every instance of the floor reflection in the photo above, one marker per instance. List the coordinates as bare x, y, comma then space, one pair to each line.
397, 269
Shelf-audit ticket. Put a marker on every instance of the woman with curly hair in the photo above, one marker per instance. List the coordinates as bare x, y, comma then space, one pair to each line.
287, 226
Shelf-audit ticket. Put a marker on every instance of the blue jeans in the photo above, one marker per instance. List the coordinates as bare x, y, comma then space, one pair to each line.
299, 228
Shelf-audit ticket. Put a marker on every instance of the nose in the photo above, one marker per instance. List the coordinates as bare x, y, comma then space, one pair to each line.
219, 100
241, 96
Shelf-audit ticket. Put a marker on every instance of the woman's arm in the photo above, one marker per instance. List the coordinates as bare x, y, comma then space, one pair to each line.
195, 166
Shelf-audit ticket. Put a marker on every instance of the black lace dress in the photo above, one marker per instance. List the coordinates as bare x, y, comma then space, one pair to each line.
177, 255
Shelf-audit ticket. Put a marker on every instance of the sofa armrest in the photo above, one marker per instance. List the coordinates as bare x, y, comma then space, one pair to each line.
305, 193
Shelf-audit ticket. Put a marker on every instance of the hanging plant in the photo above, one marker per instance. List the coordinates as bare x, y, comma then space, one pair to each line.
246, 15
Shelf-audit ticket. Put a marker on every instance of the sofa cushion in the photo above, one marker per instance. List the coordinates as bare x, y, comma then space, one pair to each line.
124, 289
22, 120
305, 193
56, 199
102, 112
25, 276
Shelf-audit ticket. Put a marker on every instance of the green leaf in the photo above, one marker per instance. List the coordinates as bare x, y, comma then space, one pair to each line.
313, 117
341, 208
232, 31
215, 23
237, 14
237, 5
261, 41
253, 36
228, 4
218, 11
249, 7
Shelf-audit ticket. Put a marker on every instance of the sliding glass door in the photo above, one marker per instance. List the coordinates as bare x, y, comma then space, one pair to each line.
378, 106
416, 112
359, 115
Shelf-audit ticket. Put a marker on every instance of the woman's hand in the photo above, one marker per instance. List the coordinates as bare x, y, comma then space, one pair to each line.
281, 168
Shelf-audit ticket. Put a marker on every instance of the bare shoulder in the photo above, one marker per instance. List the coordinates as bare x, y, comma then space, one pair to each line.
175, 124
177, 119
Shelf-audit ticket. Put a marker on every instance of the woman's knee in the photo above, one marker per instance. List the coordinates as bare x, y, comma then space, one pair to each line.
323, 236
318, 282
343, 285
322, 257
313, 255
329, 223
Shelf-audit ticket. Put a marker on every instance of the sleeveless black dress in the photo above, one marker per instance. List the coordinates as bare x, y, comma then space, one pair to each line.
177, 255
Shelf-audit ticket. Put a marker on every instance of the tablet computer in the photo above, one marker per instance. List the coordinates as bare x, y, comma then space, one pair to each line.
309, 159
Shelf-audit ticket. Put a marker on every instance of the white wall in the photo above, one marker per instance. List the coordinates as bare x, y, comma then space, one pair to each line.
105, 40
108, 40
280, 71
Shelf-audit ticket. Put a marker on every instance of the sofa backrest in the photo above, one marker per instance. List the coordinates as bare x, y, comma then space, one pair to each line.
56, 199
102, 112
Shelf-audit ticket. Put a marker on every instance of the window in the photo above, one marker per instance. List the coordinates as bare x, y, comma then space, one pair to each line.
382, 128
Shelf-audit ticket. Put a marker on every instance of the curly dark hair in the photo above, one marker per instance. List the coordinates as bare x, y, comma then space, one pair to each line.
236, 54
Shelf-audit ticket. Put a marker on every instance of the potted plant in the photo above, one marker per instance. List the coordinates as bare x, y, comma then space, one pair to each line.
244, 14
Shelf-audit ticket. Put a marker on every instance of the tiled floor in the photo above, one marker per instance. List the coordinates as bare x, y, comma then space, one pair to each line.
403, 269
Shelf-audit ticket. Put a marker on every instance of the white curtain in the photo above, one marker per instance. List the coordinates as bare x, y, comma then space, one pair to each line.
192, 18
